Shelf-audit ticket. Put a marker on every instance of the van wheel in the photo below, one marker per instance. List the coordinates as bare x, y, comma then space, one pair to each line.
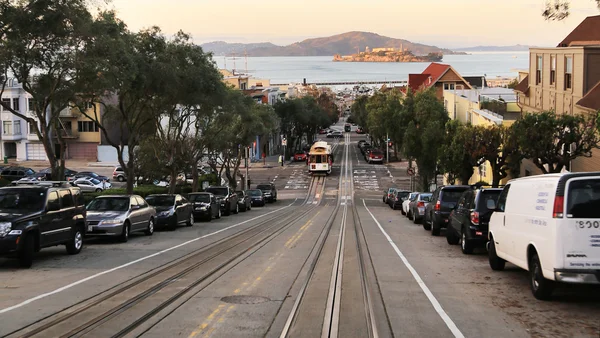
540, 287
451, 237
26, 253
76, 243
465, 245
496, 263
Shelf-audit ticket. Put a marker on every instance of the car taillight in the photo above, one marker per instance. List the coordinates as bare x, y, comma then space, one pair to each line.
420, 204
438, 206
557, 212
475, 218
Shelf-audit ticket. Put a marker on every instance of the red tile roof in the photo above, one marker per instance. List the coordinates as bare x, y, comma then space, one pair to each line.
586, 34
591, 100
436, 70
415, 81
523, 86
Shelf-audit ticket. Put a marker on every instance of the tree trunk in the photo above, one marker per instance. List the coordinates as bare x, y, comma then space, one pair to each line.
172, 181
130, 174
195, 178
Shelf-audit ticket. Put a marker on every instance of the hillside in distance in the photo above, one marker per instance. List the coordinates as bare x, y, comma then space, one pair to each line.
514, 48
344, 44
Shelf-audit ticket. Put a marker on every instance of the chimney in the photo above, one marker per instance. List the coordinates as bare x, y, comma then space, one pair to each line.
304, 82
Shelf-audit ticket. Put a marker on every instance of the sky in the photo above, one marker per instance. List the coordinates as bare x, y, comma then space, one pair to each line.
444, 23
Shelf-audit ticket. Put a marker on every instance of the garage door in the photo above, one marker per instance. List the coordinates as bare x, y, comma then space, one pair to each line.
83, 151
35, 151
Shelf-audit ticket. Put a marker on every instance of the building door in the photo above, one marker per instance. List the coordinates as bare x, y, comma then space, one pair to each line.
10, 149
35, 151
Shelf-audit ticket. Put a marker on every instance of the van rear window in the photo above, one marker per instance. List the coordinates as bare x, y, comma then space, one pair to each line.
451, 195
584, 199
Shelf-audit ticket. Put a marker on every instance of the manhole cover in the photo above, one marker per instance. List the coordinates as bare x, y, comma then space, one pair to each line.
245, 299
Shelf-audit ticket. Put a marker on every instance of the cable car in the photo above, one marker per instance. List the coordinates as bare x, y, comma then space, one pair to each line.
348, 127
320, 158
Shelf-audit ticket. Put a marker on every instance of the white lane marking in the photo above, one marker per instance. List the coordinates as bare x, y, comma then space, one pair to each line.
436, 305
44, 295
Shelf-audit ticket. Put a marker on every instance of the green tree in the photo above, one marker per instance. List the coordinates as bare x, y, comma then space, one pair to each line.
40, 44
459, 151
513, 84
498, 145
552, 141
359, 111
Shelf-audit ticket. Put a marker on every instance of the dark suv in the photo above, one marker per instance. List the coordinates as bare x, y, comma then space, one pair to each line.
40, 216
269, 191
16, 173
470, 218
442, 202
227, 198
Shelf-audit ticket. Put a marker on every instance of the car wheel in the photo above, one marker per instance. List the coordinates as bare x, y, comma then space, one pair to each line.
426, 226
125, 233
540, 287
465, 244
415, 219
245, 208
435, 230
76, 243
451, 237
98, 190
150, 229
191, 220
237, 209
121, 179
218, 214
27, 251
496, 263
402, 212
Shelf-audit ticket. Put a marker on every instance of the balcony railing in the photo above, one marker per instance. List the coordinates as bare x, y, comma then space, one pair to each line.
65, 133
496, 106
70, 112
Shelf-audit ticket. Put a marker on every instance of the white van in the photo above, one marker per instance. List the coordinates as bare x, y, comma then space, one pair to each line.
550, 226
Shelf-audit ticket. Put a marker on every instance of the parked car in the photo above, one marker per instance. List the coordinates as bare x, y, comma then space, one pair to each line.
257, 197
119, 216
387, 193
335, 134
119, 174
172, 210
83, 174
226, 197
16, 173
48, 172
37, 177
417, 208
469, 220
405, 204
39, 216
359, 130
244, 201
300, 157
89, 184
365, 147
269, 191
443, 200
361, 143
397, 198
548, 225
205, 205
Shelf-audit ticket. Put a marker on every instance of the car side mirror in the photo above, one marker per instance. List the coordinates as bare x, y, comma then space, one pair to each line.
491, 205
135, 207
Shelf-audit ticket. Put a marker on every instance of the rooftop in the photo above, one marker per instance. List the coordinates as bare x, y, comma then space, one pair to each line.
586, 34
506, 94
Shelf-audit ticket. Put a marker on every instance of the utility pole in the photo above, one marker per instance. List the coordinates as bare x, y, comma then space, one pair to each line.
387, 148
247, 185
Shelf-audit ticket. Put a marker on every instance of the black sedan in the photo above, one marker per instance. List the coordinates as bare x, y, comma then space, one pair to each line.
205, 205
171, 210
257, 197
244, 201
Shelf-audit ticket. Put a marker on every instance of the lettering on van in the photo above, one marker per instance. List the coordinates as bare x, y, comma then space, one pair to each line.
588, 224
576, 256
537, 221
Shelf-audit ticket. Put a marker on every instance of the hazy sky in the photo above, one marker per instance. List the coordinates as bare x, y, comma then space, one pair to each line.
445, 23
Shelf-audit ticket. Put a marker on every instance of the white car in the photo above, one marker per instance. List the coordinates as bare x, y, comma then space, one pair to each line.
411, 197
90, 184
548, 225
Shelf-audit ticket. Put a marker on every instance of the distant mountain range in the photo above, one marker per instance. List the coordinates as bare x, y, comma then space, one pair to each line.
514, 48
344, 44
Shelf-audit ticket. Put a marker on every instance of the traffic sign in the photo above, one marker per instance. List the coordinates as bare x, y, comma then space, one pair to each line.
284, 142
410, 171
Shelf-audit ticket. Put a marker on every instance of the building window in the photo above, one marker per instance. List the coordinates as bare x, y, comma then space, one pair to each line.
243, 86
538, 71
6, 102
568, 72
482, 171
552, 70
17, 127
87, 126
31, 128
30, 104
448, 86
7, 128
16, 104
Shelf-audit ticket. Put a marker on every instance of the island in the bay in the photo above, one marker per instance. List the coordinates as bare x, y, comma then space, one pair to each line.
388, 55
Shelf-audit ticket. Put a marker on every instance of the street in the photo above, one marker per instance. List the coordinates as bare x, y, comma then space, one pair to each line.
327, 259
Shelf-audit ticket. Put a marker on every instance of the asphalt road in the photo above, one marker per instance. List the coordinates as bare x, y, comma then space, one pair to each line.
391, 272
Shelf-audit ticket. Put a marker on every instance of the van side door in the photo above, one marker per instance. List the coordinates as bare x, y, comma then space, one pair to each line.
497, 226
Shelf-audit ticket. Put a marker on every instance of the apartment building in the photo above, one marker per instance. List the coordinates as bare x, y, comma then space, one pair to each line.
439, 76
565, 79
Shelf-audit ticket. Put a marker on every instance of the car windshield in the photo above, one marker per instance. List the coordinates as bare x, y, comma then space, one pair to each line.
217, 191
583, 199
17, 199
160, 201
255, 192
203, 198
264, 187
452, 195
109, 204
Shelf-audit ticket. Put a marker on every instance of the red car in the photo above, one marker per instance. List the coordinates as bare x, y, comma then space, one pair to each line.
300, 157
323, 131
359, 131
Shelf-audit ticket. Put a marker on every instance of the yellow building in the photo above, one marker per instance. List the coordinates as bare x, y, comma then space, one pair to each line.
482, 107
237, 81
81, 134
565, 79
